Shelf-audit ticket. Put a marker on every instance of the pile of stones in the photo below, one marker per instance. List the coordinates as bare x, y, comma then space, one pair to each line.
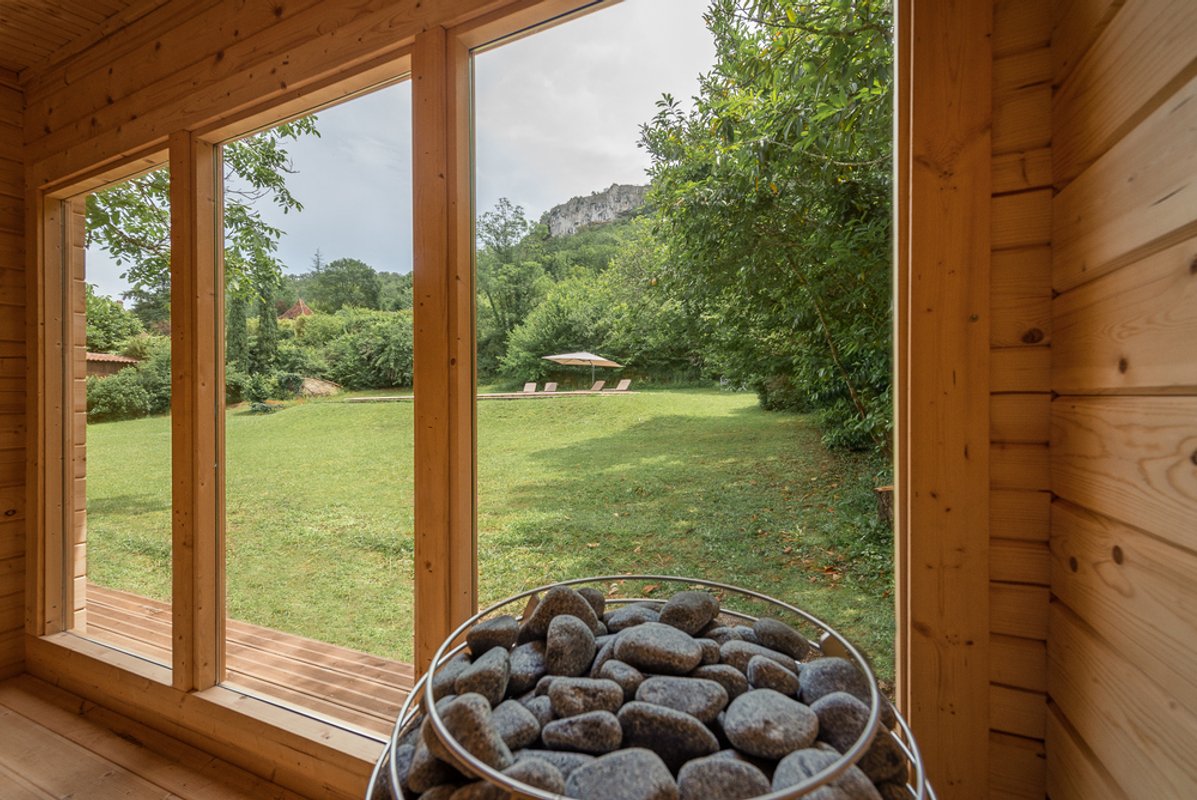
649, 701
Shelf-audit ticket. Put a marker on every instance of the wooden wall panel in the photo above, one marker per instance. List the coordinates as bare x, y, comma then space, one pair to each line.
1017, 768
13, 425
1075, 26
1073, 772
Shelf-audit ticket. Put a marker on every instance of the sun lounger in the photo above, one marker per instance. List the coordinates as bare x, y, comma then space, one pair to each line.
550, 387
530, 388
598, 386
622, 386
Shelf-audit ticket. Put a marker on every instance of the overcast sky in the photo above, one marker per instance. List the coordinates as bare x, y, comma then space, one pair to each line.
557, 115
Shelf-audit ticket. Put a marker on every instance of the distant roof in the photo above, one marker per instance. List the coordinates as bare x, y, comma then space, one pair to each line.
300, 309
111, 358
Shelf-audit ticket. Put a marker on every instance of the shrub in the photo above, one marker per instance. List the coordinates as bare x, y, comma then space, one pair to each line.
119, 396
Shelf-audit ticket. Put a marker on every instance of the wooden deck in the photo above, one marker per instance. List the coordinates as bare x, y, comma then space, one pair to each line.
355, 689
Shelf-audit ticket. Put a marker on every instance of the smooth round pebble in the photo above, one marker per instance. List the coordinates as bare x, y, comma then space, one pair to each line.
487, 676
541, 708
731, 679
495, 632
477, 791
557, 601
657, 648
765, 673
597, 600
842, 719
569, 646
444, 679
468, 721
427, 771
443, 792
592, 732
573, 696
536, 772
710, 651
628, 677
826, 675
803, 764
690, 611
720, 778
527, 666
768, 724
606, 652
630, 616
566, 761
893, 791
673, 735
723, 634
738, 653
776, 635
697, 697
518, 726
634, 774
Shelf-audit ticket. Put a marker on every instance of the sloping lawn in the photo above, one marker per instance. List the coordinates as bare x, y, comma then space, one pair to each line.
688, 482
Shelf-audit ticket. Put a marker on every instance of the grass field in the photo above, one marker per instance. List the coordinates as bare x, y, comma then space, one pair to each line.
688, 482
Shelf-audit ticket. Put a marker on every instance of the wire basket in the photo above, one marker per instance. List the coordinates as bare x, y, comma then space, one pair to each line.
737, 605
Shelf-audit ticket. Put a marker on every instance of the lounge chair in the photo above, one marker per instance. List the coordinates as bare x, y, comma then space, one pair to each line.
550, 387
530, 388
622, 386
598, 386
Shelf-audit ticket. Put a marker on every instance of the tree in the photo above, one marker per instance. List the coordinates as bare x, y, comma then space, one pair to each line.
774, 196
344, 283
108, 323
131, 221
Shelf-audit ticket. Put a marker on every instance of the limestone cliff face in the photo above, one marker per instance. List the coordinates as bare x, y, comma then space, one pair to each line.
603, 206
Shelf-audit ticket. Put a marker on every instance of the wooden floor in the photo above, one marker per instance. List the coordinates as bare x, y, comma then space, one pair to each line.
54, 745
359, 690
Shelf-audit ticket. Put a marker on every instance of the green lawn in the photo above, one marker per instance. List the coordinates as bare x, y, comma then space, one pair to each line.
688, 482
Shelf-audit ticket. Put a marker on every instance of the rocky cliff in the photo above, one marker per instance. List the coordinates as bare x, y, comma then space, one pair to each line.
603, 206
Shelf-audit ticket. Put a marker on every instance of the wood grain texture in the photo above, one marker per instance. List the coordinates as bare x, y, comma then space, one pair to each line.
1132, 459
1022, 119
1017, 711
1020, 369
1019, 171
1021, 298
1019, 466
1135, 65
1018, 610
1020, 418
942, 480
1019, 561
1021, 220
1136, 729
1073, 772
1132, 330
1017, 768
1076, 24
1137, 198
1020, 514
1134, 590
1020, 25
1018, 662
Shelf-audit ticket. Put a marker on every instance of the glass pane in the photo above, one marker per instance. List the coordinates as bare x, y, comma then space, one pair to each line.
318, 490
670, 208
119, 330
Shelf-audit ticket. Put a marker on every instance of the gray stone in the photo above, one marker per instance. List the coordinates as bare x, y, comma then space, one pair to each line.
697, 697
557, 601
478, 791
653, 647
527, 665
675, 736
402, 759
468, 721
491, 633
710, 651
569, 646
768, 724
690, 611
739, 653
426, 770
893, 791
442, 792
630, 616
765, 673
633, 774
518, 726
746, 634
730, 678
628, 677
445, 678
826, 675
842, 719
564, 760
573, 696
716, 778
606, 652
543, 685
536, 772
776, 635
541, 708
722, 635
597, 600
592, 732
487, 676
803, 764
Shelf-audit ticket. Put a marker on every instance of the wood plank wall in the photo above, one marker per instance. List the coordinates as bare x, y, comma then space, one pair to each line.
12, 379
1020, 400
1122, 626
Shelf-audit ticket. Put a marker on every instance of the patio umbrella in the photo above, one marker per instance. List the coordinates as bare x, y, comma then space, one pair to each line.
581, 360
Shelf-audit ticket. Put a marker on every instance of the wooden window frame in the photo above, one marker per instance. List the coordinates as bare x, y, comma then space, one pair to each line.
942, 186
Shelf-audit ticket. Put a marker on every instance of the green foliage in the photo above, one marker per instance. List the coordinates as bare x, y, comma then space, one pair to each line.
136, 391
236, 334
360, 348
344, 283
567, 320
263, 351
774, 197
108, 323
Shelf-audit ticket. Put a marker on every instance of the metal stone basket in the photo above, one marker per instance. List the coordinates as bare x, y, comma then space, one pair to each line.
385, 783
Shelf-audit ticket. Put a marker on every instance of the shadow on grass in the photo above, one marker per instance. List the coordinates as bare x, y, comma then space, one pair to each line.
127, 504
